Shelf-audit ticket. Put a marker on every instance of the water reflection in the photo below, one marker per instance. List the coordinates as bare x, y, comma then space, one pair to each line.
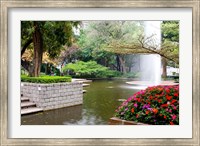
86, 119
99, 103
53, 117
133, 87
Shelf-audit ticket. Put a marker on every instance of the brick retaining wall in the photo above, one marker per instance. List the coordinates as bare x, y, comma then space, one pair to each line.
55, 95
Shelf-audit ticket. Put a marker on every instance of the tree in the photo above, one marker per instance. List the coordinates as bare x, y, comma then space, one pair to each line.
170, 33
46, 36
167, 50
38, 49
100, 34
90, 49
141, 45
127, 37
120, 40
88, 69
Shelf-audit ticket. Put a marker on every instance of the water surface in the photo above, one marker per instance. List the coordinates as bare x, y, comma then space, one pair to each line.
99, 104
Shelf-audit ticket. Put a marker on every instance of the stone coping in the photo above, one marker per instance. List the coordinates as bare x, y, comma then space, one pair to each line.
117, 121
148, 83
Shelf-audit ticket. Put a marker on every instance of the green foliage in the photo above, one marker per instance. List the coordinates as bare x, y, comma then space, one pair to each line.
170, 40
55, 34
170, 31
89, 69
112, 73
45, 79
27, 30
127, 37
100, 34
50, 37
57, 72
156, 105
91, 47
131, 75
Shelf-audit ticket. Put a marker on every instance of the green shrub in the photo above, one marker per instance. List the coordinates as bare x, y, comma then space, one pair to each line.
131, 75
45, 79
89, 69
111, 73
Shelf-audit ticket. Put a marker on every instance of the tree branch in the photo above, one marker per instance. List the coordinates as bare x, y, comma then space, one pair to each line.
25, 46
143, 46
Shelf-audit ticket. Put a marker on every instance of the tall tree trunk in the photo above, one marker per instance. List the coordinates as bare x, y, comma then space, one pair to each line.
118, 63
122, 63
164, 67
38, 50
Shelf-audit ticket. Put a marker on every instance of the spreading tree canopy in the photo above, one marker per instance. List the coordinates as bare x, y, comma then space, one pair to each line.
99, 35
128, 37
44, 36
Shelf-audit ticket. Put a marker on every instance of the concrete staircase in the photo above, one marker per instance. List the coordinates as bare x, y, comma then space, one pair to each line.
28, 107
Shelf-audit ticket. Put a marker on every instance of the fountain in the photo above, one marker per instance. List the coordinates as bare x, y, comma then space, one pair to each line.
150, 65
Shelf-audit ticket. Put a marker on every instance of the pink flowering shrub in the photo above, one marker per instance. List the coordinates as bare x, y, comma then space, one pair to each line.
157, 105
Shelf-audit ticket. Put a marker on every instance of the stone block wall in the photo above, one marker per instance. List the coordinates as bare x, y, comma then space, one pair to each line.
55, 95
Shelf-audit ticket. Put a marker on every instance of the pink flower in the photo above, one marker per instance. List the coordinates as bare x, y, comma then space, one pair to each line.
130, 98
173, 117
125, 103
158, 102
134, 98
135, 105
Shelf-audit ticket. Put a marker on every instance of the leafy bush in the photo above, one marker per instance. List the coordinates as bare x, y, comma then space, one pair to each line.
45, 79
131, 75
111, 73
88, 69
157, 105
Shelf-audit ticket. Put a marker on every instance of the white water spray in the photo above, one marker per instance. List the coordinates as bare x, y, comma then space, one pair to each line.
150, 65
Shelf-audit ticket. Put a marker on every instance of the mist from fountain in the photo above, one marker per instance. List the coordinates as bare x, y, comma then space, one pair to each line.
150, 65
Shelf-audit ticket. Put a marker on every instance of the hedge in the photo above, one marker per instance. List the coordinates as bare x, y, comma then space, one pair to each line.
45, 79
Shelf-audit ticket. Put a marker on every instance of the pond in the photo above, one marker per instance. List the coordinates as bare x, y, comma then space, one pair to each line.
99, 104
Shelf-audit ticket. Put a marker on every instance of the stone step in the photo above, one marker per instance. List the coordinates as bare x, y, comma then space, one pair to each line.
24, 99
30, 110
27, 104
